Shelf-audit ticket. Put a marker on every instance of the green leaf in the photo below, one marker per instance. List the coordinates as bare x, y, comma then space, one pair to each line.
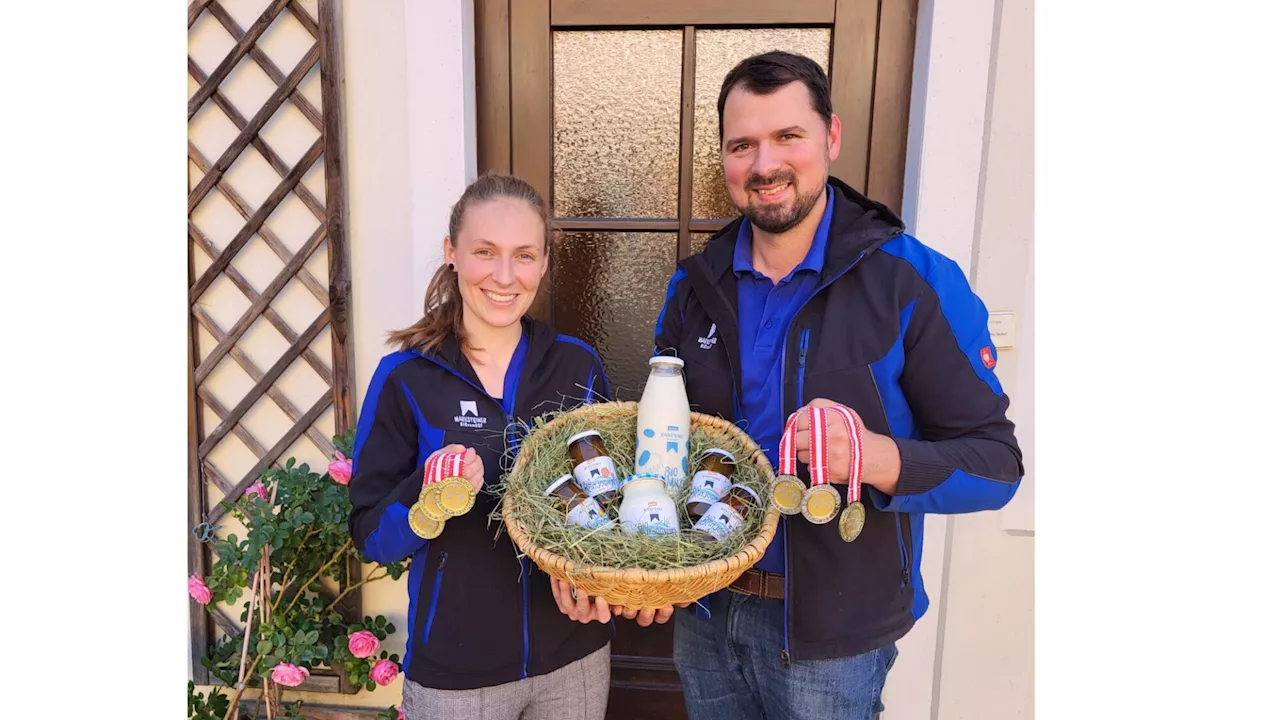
369, 685
264, 646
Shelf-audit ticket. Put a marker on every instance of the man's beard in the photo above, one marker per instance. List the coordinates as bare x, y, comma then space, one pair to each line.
777, 218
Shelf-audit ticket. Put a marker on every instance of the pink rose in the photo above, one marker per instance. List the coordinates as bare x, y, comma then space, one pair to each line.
258, 490
289, 675
363, 644
198, 590
340, 469
384, 671
399, 713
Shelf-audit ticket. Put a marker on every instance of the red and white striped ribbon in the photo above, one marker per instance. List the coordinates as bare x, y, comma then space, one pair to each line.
818, 459
436, 469
787, 449
852, 425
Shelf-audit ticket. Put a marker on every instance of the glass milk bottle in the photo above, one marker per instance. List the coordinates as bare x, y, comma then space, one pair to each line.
662, 424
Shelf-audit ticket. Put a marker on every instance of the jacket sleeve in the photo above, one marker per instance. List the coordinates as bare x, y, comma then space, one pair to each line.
386, 473
966, 458
597, 382
670, 322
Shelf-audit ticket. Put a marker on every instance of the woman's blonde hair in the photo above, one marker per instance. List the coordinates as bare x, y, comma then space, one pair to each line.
442, 307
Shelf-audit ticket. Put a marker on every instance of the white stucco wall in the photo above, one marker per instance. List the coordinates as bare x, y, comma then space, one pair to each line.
987, 663
410, 151
970, 195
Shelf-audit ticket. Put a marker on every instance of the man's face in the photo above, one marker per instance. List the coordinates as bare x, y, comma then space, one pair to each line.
776, 154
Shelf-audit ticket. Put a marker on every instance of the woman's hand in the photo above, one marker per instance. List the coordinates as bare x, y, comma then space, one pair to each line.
472, 465
583, 608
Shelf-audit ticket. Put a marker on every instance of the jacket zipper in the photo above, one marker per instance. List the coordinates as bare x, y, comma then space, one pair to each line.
786, 596
508, 409
435, 597
786, 637
803, 351
897, 516
507, 404
902, 549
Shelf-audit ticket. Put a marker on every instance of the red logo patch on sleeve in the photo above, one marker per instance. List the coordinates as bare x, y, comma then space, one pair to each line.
988, 358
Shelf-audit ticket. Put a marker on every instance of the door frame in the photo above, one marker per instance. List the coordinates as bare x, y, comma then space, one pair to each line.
870, 87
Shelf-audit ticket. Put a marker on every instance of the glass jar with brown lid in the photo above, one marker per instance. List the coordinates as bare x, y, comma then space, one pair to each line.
578, 507
711, 481
724, 517
593, 468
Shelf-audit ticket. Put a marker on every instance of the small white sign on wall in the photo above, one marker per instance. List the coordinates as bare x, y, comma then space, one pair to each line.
1002, 327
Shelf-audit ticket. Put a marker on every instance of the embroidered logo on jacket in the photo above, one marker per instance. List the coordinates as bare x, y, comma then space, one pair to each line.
988, 359
707, 342
469, 415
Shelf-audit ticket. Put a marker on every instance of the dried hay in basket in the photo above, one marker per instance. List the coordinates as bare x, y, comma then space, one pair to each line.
636, 571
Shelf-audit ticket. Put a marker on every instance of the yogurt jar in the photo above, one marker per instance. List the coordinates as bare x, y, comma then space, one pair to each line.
647, 508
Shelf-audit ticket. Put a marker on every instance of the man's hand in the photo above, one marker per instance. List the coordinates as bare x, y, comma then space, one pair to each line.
472, 465
881, 461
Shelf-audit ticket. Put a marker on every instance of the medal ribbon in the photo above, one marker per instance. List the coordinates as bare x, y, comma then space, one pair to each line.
853, 425
787, 449
818, 460
435, 470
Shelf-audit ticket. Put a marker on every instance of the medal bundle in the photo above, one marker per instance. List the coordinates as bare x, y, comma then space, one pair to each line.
819, 503
445, 494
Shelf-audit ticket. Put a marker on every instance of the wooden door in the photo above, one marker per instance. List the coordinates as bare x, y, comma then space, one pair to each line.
609, 109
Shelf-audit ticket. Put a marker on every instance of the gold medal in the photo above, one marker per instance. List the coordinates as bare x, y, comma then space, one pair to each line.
820, 503
786, 494
429, 501
456, 496
423, 525
852, 520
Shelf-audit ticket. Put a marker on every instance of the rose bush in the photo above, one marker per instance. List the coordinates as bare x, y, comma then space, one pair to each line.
313, 567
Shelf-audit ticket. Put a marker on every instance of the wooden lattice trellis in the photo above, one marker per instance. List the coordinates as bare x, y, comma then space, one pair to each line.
267, 190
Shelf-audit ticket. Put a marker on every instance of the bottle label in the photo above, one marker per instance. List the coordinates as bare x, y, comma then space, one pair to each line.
597, 475
664, 452
588, 514
719, 521
708, 487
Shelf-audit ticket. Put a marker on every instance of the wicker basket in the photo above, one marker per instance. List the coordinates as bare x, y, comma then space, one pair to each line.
640, 587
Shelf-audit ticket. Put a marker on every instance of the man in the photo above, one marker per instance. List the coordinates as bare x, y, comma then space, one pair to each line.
820, 298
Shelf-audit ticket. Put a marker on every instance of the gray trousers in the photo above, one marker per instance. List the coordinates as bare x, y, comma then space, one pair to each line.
577, 691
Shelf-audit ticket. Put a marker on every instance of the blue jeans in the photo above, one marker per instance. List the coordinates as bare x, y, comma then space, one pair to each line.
731, 668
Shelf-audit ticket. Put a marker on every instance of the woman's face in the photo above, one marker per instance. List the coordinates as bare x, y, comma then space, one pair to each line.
500, 258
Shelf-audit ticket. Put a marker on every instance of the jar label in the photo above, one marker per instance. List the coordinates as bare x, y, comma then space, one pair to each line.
597, 475
656, 518
588, 514
708, 487
719, 521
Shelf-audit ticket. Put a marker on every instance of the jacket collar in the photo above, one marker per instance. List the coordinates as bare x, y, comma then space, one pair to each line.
539, 335
859, 225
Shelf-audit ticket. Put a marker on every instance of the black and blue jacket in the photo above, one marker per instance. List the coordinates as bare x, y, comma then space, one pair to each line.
893, 331
478, 615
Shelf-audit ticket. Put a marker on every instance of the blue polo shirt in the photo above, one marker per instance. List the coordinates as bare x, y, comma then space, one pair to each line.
765, 311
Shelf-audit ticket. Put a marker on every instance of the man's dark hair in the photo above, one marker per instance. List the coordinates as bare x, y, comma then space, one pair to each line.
765, 73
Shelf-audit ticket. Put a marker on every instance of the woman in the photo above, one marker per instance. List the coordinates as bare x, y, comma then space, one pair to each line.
486, 637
